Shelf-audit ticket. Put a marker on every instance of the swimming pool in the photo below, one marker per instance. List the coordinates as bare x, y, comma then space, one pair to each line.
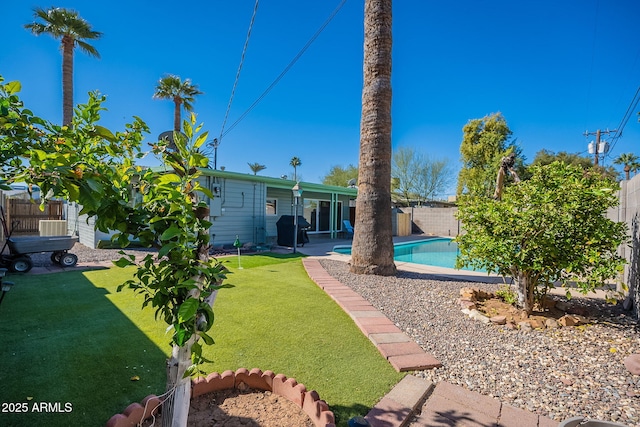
439, 252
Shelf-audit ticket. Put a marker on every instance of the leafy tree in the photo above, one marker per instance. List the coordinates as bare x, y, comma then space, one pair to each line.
484, 143
295, 162
256, 167
182, 93
630, 161
182, 281
418, 177
434, 178
406, 165
341, 176
545, 157
549, 228
372, 251
89, 164
72, 31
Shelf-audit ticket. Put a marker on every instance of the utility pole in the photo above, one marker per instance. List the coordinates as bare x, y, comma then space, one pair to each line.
598, 149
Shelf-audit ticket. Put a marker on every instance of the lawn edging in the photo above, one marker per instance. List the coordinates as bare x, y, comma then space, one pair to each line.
309, 401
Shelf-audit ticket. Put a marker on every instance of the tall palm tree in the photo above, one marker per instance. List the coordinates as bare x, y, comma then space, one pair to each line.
372, 251
630, 161
256, 167
295, 162
73, 31
182, 93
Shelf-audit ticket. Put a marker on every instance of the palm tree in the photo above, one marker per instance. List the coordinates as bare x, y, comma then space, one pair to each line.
182, 93
372, 250
256, 167
67, 26
295, 162
630, 161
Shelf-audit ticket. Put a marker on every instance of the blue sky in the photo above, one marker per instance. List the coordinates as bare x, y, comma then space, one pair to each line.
554, 69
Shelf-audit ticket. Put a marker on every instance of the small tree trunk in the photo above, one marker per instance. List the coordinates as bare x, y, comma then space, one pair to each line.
175, 411
499, 184
524, 290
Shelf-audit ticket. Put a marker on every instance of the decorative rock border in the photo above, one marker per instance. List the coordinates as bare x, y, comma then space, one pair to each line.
242, 379
470, 296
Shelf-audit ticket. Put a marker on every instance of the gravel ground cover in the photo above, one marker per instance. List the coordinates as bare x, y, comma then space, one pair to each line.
558, 373
87, 255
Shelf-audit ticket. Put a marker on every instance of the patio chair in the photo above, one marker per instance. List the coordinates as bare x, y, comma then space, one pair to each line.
347, 228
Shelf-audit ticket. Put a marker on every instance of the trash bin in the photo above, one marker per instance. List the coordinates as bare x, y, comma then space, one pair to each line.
585, 422
286, 228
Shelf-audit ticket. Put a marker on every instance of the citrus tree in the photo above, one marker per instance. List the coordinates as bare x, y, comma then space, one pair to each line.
166, 210
550, 228
89, 164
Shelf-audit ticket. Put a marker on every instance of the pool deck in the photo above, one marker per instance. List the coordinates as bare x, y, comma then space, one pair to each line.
323, 247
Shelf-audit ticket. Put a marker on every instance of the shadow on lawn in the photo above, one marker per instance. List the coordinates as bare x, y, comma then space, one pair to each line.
71, 355
344, 413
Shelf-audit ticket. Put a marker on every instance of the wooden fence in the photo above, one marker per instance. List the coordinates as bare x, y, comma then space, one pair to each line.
23, 216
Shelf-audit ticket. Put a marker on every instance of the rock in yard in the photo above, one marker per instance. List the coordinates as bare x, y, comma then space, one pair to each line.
551, 324
536, 323
525, 326
572, 320
468, 294
469, 305
499, 320
566, 381
632, 363
476, 315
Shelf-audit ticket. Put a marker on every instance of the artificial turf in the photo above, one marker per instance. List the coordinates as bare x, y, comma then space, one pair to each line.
71, 341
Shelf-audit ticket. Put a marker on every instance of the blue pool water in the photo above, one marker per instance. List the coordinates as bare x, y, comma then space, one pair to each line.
436, 252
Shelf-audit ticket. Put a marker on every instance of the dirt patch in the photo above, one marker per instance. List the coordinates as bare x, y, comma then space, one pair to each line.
495, 307
554, 312
235, 408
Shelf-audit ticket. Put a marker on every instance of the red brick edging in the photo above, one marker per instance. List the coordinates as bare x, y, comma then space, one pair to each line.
309, 401
402, 352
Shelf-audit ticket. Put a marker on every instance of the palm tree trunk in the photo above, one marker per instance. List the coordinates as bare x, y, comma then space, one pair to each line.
67, 80
372, 251
176, 115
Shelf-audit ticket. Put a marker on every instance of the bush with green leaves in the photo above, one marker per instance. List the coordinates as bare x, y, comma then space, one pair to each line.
550, 228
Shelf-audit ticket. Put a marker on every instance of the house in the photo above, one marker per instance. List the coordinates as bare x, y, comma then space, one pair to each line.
250, 205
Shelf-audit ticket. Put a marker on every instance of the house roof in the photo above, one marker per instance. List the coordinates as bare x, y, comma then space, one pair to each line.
277, 182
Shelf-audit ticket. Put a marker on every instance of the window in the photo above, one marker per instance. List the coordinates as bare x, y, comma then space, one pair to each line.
272, 206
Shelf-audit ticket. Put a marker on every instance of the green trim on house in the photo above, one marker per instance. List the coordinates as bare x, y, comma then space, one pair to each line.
276, 182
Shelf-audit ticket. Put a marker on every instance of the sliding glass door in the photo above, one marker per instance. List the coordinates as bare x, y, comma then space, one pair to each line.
318, 213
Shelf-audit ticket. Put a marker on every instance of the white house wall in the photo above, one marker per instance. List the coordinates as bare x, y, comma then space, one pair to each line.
83, 227
242, 212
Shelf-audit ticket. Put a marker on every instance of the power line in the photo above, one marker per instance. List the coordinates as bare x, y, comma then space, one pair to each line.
235, 83
627, 115
287, 68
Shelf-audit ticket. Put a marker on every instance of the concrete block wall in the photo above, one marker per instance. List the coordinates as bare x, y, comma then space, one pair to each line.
436, 221
629, 212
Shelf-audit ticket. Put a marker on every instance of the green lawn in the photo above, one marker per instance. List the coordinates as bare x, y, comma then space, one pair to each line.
70, 340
